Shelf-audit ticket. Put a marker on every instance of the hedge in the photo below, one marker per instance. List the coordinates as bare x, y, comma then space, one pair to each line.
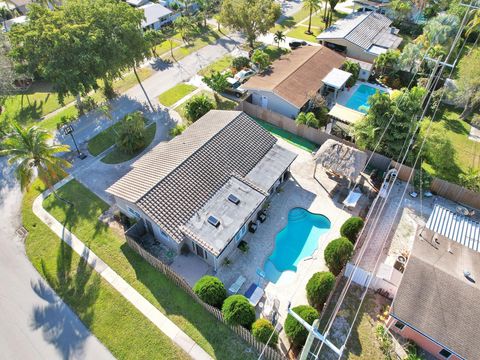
238, 311
211, 290
262, 330
319, 287
295, 331
337, 254
351, 228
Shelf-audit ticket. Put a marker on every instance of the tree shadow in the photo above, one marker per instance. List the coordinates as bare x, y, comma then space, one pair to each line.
455, 126
160, 64
32, 110
76, 286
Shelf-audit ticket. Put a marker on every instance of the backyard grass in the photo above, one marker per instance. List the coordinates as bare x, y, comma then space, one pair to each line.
111, 318
116, 156
82, 219
29, 106
218, 65
221, 103
296, 140
466, 152
174, 94
362, 344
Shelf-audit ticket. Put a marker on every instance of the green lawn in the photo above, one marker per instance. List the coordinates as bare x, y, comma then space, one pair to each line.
317, 27
174, 94
116, 156
218, 65
29, 106
111, 318
296, 140
82, 219
103, 140
164, 47
466, 152
221, 103
207, 36
50, 123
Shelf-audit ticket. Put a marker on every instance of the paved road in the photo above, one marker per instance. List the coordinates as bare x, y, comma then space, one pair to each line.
35, 323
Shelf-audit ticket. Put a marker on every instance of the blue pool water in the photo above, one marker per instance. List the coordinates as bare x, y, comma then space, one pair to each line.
359, 100
296, 241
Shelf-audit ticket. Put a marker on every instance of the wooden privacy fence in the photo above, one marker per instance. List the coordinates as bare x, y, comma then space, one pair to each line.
269, 352
443, 188
314, 135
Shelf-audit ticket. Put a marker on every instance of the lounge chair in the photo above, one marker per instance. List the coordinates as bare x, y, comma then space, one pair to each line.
235, 287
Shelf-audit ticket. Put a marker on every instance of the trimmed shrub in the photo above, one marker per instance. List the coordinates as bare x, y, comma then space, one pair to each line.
238, 311
240, 62
319, 287
131, 134
351, 228
337, 254
198, 106
211, 290
295, 331
262, 330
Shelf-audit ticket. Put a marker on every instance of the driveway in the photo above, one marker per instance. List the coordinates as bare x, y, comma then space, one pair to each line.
34, 322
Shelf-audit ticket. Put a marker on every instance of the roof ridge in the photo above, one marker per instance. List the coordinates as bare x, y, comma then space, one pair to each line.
365, 18
299, 66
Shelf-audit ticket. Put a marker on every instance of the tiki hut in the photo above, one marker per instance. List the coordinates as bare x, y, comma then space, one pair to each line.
341, 160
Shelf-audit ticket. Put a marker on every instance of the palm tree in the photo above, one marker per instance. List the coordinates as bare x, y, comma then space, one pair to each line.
474, 24
308, 119
279, 37
311, 6
30, 149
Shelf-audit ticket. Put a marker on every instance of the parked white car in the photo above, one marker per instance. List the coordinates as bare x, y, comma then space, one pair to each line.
235, 88
244, 75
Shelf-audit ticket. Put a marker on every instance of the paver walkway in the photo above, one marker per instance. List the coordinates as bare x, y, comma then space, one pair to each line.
146, 308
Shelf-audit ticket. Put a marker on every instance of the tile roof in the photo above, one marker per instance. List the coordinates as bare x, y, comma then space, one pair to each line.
294, 76
179, 177
363, 29
436, 298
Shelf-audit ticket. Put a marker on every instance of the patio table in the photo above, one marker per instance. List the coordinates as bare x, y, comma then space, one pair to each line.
254, 294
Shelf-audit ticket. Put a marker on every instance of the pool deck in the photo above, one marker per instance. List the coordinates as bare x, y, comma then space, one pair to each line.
302, 190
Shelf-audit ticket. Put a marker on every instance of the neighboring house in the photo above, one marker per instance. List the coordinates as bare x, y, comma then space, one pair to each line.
361, 35
371, 5
156, 16
437, 302
287, 86
204, 188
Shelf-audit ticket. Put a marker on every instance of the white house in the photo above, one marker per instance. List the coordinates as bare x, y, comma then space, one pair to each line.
156, 16
205, 188
361, 35
288, 85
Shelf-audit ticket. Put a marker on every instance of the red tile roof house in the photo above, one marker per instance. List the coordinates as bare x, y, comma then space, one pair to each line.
437, 304
204, 187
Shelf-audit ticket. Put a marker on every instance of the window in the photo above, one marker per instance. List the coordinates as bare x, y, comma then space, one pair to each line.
445, 353
399, 325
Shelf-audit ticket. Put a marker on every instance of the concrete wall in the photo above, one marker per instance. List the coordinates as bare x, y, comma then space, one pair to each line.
421, 340
275, 103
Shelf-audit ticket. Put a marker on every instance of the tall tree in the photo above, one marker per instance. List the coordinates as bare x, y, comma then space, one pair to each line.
404, 106
468, 83
311, 6
207, 9
278, 37
7, 73
401, 9
30, 150
80, 42
251, 17
387, 63
186, 26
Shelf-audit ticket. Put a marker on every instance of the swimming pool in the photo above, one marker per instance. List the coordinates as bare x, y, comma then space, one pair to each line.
359, 99
296, 241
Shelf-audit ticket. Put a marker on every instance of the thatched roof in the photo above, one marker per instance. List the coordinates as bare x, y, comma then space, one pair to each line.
341, 159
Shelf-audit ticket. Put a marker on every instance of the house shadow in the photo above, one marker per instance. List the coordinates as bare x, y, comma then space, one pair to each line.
74, 284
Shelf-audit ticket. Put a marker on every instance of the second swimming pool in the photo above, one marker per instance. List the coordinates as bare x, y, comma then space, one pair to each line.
359, 99
296, 241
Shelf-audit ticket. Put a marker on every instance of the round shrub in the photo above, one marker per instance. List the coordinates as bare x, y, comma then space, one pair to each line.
238, 311
319, 287
337, 254
240, 62
262, 329
211, 290
351, 228
198, 106
295, 331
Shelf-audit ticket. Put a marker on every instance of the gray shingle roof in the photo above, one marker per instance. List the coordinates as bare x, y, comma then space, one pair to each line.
436, 298
363, 29
180, 176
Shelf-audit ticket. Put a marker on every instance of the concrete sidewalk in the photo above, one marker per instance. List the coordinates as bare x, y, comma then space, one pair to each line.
146, 308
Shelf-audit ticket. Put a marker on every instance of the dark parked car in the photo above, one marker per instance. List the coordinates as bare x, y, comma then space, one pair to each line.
296, 44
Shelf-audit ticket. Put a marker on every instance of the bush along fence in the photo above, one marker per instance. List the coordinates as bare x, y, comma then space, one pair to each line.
269, 353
